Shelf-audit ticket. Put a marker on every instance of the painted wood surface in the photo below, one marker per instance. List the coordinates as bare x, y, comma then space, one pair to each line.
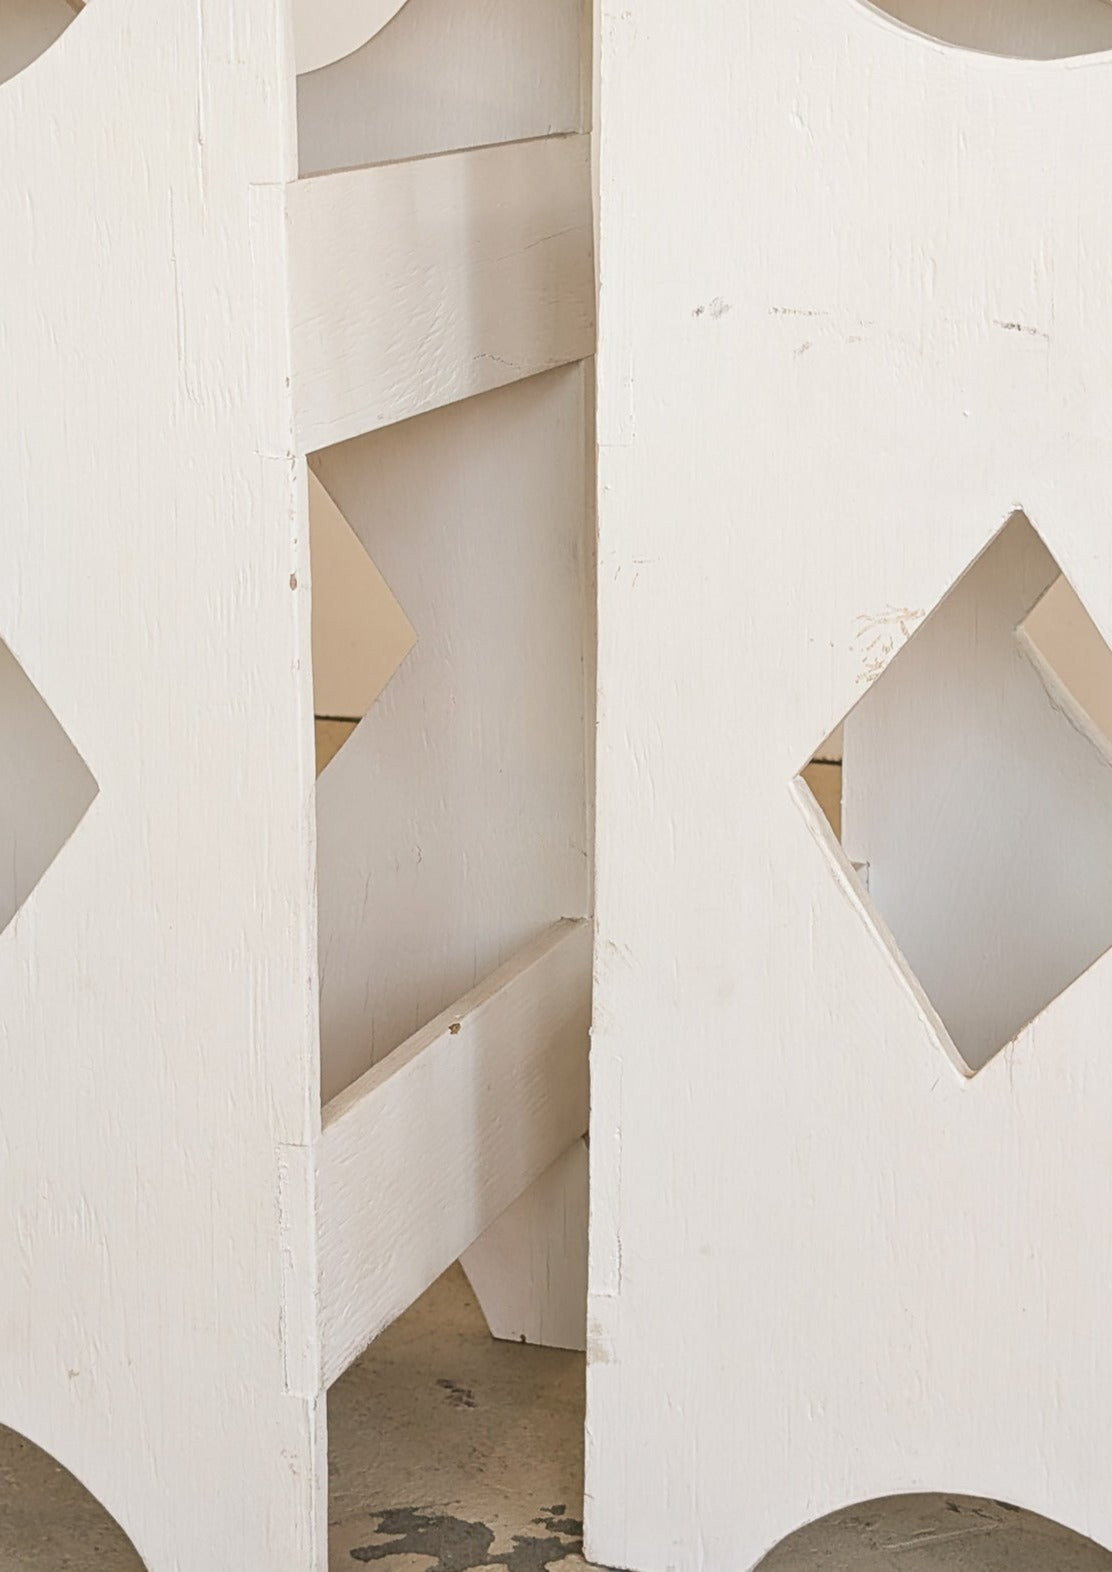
157, 1038
529, 1269
428, 1149
450, 74
853, 314
421, 283
455, 825
161, 1335
454, 828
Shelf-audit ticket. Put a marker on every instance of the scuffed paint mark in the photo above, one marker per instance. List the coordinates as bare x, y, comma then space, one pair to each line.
1021, 327
452, 1544
716, 309
879, 636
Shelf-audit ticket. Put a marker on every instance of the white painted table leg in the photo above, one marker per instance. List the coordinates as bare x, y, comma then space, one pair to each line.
529, 1271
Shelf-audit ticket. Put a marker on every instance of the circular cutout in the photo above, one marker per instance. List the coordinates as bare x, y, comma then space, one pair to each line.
940, 1532
1017, 29
28, 28
49, 1520
330, 30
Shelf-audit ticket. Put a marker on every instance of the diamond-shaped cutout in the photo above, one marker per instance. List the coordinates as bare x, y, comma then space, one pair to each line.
976, 800
45, 786
360, 633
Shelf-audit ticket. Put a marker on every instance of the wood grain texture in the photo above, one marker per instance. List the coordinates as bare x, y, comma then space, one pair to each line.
419, 284
157, 1040
854, 312
449, 74
430, 1147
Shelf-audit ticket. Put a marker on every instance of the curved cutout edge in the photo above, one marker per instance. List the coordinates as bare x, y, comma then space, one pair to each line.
329, 30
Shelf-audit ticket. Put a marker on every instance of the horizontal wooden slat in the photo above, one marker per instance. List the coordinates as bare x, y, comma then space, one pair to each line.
428, 1148
420, 283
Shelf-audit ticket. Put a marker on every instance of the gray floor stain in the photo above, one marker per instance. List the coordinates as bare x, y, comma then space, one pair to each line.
456, 1545
553, 1518
458, 1396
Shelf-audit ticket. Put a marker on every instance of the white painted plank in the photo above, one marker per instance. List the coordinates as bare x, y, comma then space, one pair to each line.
529, 1269
449, 74
419, 284
430, 1147
158, 1034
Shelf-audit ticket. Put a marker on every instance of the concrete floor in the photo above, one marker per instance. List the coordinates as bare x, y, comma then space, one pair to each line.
450, 1452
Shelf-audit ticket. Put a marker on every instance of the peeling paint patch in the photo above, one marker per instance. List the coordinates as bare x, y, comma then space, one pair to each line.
1022, 327
452, 1544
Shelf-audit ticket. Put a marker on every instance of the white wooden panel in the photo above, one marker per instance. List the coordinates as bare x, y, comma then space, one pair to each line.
529, 1269
432, 1145
327, 30
360, 633
157, 1035
854, 312
454, 826
418, 284
449, 74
